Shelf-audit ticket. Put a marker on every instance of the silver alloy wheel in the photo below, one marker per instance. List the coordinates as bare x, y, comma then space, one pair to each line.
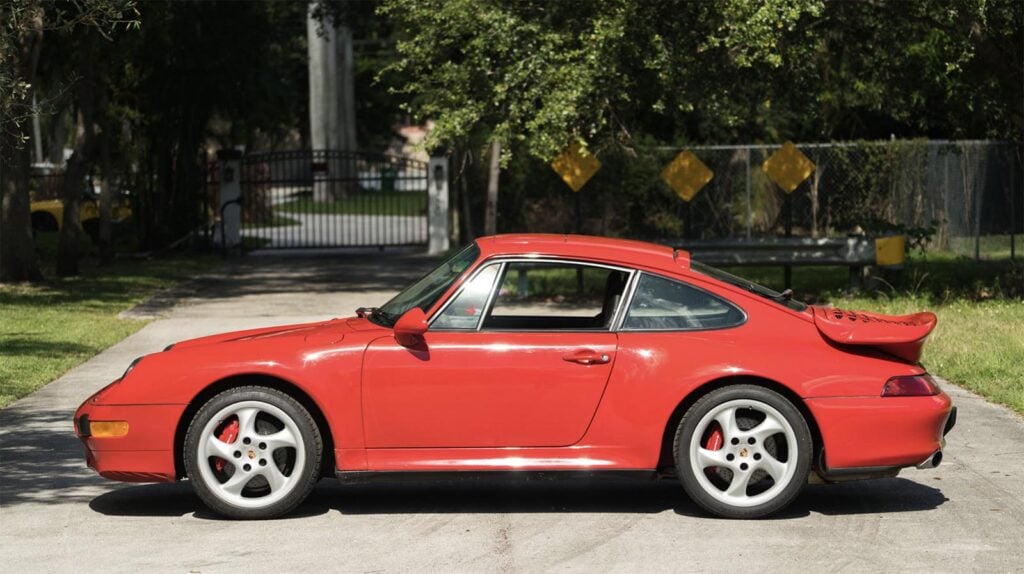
268, 464
744, 452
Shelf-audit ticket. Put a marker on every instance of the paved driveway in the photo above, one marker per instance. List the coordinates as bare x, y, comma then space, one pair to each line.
57, 516
328, 229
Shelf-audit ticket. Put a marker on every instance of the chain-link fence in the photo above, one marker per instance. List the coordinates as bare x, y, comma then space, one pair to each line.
962, 196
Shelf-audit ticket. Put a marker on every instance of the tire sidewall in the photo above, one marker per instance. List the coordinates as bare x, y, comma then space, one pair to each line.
688, 426
311, 443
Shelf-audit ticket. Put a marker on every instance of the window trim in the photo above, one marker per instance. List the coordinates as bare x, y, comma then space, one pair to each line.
621, 325
504, 262
458, 292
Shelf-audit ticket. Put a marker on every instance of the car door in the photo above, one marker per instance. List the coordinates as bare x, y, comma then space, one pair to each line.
519, 357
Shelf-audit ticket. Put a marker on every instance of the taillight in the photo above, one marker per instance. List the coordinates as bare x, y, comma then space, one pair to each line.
910, 386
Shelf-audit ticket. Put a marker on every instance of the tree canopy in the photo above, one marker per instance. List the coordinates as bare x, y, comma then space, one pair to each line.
543, 73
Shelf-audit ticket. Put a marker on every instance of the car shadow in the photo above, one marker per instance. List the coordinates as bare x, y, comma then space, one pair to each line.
513, 495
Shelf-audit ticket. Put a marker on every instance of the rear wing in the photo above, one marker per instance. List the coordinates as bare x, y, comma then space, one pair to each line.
902, 335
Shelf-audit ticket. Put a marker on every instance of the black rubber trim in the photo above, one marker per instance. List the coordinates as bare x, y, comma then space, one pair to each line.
83, 426
950, 422
363, 477
860, 473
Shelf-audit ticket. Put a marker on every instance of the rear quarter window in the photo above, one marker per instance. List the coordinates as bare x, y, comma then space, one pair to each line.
661, 304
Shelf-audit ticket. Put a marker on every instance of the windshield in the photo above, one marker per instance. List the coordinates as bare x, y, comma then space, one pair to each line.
425, 292
747, 285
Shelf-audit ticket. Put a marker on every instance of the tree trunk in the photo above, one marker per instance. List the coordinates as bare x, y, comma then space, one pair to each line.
466, 216
106, 254
815, 186
79, 164
17, 250
58, 135
491, 207
67, 247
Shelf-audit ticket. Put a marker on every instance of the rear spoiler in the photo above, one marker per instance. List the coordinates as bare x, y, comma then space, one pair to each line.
902, 335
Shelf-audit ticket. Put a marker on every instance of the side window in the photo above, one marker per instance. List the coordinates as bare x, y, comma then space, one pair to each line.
465, 311
665, 304
552, 296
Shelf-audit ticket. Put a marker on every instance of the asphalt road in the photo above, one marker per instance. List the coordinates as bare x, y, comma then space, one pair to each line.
57, 516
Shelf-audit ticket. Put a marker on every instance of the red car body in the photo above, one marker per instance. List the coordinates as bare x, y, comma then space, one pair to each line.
509, 400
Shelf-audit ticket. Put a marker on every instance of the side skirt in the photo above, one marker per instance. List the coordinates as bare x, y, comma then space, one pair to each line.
512, 476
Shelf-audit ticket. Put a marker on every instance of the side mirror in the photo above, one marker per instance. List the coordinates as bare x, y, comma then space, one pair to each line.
410, 327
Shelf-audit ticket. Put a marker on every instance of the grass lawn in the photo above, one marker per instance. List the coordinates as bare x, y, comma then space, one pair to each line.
979, 341
48, 328
363, 203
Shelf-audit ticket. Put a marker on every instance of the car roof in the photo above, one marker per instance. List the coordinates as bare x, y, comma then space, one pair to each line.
607, 249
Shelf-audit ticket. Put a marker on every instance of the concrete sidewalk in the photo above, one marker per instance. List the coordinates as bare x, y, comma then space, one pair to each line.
56, 515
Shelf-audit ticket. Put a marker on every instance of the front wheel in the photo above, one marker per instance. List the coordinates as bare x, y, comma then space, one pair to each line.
743, 452
252, 452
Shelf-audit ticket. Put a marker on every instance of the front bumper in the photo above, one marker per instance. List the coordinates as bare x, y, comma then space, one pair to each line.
145, 454
881, 432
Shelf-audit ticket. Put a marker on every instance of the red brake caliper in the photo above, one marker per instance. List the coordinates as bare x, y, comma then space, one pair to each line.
228, 435
714, 441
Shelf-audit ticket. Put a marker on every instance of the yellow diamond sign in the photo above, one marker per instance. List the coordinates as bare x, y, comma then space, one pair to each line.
576, 166
788, 167
686, 174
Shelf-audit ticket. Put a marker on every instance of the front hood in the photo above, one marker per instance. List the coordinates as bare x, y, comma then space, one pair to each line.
334, 329
899, 335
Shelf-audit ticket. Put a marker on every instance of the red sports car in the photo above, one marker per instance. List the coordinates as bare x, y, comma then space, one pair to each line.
535, 353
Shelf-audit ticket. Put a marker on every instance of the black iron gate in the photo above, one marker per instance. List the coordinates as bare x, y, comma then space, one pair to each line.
329, 198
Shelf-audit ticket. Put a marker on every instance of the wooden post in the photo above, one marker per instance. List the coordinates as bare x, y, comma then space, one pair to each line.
787, 207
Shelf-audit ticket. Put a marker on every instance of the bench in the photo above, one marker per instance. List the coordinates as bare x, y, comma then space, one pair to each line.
855, 252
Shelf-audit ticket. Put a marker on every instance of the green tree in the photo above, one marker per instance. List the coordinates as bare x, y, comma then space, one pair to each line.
24, 25
543, 73
628, 74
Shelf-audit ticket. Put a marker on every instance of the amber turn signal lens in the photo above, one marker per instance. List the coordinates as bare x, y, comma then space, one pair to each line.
108, 429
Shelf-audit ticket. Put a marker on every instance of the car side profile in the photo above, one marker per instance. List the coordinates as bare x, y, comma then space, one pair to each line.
535, 352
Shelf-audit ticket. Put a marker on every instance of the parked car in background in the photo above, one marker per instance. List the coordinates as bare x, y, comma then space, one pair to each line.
48, 209
527, 353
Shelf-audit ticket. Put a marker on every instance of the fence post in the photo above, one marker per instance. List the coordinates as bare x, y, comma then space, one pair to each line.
437, 206
750, 209
230, 208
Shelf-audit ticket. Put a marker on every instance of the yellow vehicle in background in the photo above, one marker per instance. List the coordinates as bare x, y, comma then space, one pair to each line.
48, 213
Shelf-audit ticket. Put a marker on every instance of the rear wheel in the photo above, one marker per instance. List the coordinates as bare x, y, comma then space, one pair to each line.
743, 452
252, 452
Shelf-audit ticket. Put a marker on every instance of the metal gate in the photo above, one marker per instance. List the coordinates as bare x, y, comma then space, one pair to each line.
331, 198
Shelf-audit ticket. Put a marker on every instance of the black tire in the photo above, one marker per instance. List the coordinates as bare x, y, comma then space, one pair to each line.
91, 227
754, 466
43, 222
295, 466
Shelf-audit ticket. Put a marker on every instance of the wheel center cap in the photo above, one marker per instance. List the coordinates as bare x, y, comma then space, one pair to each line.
743, 452
252, 455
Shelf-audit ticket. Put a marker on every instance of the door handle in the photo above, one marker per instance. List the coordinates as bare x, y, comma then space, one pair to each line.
586, 357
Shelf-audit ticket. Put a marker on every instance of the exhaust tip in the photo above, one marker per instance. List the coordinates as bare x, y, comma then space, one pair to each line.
932, 461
